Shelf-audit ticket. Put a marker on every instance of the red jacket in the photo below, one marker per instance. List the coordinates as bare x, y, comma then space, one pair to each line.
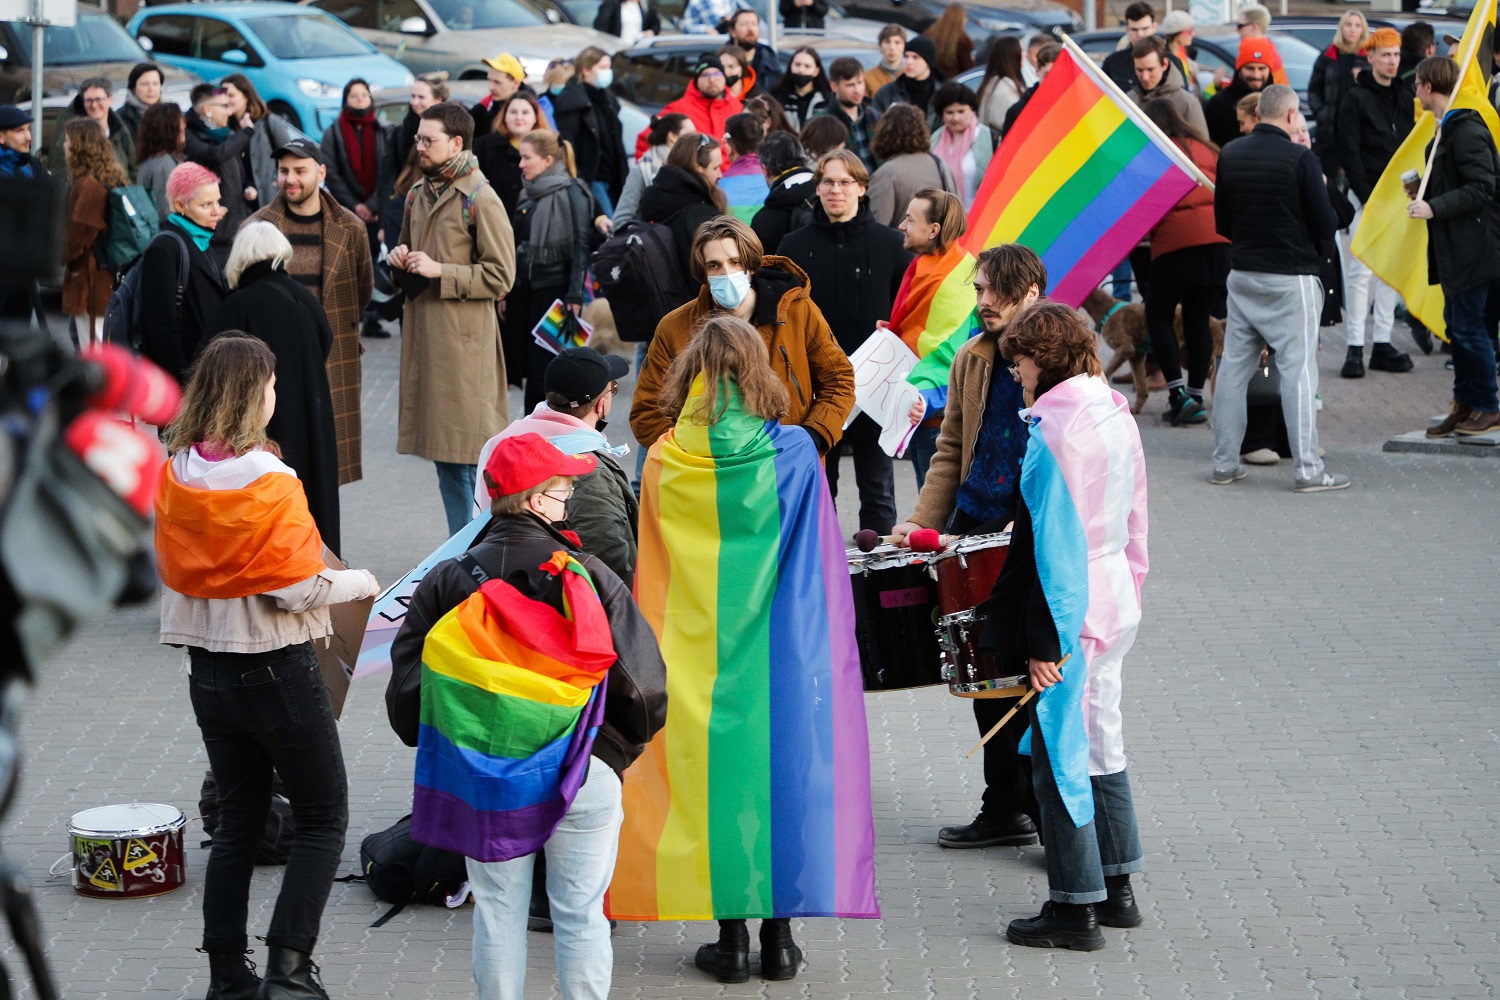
707, 116
1190, 222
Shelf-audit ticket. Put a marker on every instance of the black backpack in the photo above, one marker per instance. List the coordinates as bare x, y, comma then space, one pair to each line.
122, 317
281, 829
637, 270
399, 870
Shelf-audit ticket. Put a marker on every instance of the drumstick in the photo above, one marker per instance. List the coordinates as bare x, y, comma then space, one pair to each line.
1008, 715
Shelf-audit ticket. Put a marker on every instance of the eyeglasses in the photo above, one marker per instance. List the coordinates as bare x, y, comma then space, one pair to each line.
96, 100
560, 499
425, 141
833, 182
1015, 372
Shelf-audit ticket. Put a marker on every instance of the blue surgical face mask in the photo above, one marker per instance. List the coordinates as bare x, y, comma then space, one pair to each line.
603, 78
555, 89
729, 290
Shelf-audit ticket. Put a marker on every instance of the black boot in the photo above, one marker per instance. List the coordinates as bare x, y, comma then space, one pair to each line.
231, 976
1014, 830
728, 960
1059, 925
1354, 363
290, 975
1385, 358
780, 958
1119, 910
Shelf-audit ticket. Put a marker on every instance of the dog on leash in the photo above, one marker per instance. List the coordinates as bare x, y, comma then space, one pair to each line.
1123, 327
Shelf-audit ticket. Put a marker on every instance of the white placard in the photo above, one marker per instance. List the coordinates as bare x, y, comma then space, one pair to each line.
881, 365
57, 13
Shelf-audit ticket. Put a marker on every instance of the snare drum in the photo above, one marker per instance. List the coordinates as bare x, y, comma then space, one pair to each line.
972, 672
128, 850
895, 609
967, 570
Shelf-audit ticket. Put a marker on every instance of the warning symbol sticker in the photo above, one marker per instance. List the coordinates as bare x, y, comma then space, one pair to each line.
105, 876
137, 855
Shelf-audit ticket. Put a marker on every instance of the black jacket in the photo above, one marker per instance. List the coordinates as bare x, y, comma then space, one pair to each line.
608, 18
173, 336
1332, 76
905, 90
342, 183
679, 201
273, 306
1373, 122
589, 118
855, 267
810, 17
1015, 111
511, 549
227, 159
788, 206
500, 162
1018, 624
1270, 202
1463, 244
567, 273
767, 67
1218, 111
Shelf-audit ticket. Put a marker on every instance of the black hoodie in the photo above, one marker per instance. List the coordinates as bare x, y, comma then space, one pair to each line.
788, 206
1373, 122
680, 201
1219, 112
855, 267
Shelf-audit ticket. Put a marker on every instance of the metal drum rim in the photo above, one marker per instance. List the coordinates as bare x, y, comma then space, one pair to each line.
169, 826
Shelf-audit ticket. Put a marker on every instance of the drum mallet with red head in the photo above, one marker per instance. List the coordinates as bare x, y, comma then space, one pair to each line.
921, 540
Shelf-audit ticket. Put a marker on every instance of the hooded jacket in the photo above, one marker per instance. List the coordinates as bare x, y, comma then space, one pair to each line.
589, 118
1219, 112
678, 200
855, 268
1463, 235
818, 377
788, 206
708, 117
1373, 122
1172, 91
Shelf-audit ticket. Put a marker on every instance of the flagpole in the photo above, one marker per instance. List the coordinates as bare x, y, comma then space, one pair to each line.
1134, 113
1437, 137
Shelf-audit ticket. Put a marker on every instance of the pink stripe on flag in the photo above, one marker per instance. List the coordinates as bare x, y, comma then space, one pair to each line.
1074, 286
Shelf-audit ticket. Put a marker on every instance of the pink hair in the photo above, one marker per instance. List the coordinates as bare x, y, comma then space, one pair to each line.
187, 178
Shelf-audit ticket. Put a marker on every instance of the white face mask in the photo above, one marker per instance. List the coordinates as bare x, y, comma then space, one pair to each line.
729, 290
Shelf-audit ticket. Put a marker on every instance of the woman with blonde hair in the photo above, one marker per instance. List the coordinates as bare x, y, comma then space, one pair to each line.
1333, 74
246, 591
95, 172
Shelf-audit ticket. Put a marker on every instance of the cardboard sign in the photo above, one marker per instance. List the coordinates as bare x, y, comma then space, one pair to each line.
881, 365
336, 659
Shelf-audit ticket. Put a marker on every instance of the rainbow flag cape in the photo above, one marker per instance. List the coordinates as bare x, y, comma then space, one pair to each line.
934, 312
754, 800
512, 699
1084, 483
745, 192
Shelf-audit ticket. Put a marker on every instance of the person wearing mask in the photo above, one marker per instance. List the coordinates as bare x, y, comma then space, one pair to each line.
740, 80
176, 325
1177, 31
269, 304
158, 147
1119, 65
271, 133
955, 49
903, 145
1374, 119
249, 598
557, 75
804, 90
685, 193
789, 203
665, 129
95, 172
963, 143
506, 75
918, 82
499, 152
744, 32
1003, 84
629, 20
706, 102
426, 90
588, 117
1046, 56
1463, 245
743, 180
331, 260
851, 108
892, 63
456, 238
212, 143
1252, 74
142, 91
1156, 81
1270, 202
1333, 75
822, 135
774, 295
94, 102
855, 266
803, 15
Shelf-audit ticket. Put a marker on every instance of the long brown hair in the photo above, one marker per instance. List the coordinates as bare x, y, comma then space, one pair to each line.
225, 397
545, 143
91, 155
725, 350
254, 106
948, 37
160, 132
693, 152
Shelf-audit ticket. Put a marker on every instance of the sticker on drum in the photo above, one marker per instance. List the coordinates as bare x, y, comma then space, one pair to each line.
128, 850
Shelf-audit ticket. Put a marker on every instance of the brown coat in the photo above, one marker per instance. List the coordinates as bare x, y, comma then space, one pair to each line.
453, 389
348, 281
968, 385
818, 377
86, 285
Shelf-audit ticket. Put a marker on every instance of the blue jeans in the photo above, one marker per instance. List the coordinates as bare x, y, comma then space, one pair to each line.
1473, 350
1120, 280
600, 191
1078, 857
920, 449
580, 862
456, 485
640, 453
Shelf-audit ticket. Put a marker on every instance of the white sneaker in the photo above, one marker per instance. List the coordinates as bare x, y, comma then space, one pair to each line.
1261, 456
1323, 484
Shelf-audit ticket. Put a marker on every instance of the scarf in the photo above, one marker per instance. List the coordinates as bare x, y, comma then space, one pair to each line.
200, 236
135, 102
441, 179
211, 133
952, 150
358, 130
14, 164
552, 218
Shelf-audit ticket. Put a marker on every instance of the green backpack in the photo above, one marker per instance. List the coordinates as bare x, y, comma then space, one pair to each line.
132, 222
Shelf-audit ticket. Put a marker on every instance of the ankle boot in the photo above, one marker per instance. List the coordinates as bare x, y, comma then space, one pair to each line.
780, 958
231, 976
290, 975
727, 960
1059, 925
1119, 910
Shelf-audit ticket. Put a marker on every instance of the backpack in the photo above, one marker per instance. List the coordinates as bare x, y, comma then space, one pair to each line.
122, 317
399, 870
132, 224
281, 828
637, 270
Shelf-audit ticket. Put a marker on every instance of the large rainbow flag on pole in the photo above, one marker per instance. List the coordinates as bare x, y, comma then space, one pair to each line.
754, 800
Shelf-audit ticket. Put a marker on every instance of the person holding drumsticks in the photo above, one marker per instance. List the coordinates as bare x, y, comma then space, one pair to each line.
971, 489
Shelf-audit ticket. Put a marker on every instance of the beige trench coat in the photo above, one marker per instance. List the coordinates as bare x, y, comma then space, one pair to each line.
453, 389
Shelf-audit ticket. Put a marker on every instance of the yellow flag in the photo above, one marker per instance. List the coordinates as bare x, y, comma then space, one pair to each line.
1391, 243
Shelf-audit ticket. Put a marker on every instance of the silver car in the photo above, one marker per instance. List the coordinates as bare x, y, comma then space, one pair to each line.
458, 35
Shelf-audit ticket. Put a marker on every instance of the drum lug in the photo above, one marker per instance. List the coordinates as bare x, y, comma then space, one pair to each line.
963, 560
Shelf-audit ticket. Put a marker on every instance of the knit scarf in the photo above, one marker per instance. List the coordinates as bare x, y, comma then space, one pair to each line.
200, 236
952, 149
552, 219
358, 130
441, 179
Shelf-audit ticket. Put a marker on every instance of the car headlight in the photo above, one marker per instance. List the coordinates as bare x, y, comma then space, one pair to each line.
317, 88
535, 68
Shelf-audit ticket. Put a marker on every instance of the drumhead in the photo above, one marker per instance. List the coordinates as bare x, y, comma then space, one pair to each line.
885, 557
976, 543
132, 819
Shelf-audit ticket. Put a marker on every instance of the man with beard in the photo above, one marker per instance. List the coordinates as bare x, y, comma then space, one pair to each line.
1252, 73
457, 257
744, 31
850, 107
707, 103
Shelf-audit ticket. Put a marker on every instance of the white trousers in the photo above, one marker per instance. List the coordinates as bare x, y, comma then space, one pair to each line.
1361, 290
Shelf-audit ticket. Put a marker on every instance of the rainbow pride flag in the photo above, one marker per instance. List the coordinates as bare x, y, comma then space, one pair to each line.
934, 312
745, 192
754, 800
512, 699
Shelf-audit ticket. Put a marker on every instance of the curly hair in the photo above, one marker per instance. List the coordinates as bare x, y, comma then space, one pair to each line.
902, 129
726, 351
160, 132
91, 155
1054, 337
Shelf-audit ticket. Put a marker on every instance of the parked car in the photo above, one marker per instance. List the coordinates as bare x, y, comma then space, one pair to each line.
458, 35
298, 59
95, 46
1317, 30
988, 19
1217, 45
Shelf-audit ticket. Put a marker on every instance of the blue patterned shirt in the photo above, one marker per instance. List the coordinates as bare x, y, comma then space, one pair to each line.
989, 491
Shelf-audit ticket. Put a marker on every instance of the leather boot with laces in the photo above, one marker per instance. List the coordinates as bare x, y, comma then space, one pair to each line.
231, 976
290, 975
1119, 910
728, 959
1059, 925
780, 958
1457, 414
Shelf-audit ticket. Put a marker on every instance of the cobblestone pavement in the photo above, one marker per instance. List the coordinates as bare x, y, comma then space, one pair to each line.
1311, 712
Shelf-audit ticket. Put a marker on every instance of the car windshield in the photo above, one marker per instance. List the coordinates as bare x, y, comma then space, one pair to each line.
307, 36
460, 15
1298, 58
95, 38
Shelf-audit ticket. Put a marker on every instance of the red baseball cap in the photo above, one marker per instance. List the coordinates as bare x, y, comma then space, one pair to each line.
526, 460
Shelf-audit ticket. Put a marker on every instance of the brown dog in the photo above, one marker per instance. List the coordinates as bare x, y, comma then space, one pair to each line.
1124, 330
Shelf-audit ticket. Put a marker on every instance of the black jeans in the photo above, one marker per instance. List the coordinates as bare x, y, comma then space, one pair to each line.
261, 712
1161, 308
1007, 772
874, 475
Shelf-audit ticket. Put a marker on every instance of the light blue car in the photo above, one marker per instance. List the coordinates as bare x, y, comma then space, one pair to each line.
298, 58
